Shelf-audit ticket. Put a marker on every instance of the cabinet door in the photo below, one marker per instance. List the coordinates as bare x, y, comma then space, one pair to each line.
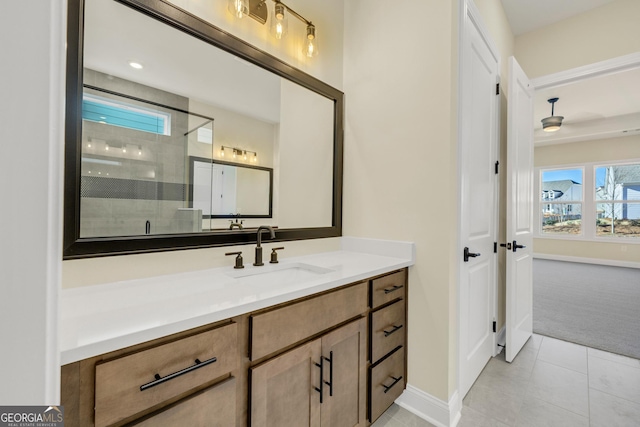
283, 389
344, 386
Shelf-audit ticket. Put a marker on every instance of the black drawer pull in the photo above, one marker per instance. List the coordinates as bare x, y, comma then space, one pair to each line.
394, 288
395, 328
160, 380
395, 381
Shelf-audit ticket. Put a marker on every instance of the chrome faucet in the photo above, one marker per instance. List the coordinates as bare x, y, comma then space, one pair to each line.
259, 246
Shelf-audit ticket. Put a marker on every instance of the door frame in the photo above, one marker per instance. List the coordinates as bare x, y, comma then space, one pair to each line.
469, 14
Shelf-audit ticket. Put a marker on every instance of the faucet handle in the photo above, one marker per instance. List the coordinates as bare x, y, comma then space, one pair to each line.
274, 255
238, 259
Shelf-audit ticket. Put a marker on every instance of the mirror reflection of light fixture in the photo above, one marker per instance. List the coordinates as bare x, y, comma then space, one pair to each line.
279, 22
239, 153
552, 123
238, 8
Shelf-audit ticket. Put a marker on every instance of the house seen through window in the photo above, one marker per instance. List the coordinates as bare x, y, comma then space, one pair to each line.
561, 201
617, 194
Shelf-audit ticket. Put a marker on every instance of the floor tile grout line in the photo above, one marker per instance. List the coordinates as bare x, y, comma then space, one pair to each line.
615, 395
615, 361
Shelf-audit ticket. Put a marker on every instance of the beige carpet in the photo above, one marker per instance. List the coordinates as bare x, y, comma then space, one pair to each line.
593, 305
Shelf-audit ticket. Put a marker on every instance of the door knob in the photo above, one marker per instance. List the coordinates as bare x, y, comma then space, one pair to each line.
467, 254
516, 246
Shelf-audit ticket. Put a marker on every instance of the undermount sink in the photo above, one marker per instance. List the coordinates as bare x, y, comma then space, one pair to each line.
280, 274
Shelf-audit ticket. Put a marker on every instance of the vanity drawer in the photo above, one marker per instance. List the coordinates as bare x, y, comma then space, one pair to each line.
387, 288
130, 384
279, 328
212, 407
387, 329
387, 383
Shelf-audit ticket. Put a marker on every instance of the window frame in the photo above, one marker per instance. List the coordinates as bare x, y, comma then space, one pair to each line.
589, 202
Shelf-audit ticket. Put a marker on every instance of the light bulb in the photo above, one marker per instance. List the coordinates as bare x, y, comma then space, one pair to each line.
238, 8
279, 22
106, 147
88, 145
245, 155
222, 152
139, 150
255, 157
310, 48
124, 149
234, 154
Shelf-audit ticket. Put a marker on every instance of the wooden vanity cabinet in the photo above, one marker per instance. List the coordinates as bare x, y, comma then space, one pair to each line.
319, 383
387, 342
336, 358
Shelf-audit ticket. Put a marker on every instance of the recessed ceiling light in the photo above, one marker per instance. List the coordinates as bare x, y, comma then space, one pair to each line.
136, 65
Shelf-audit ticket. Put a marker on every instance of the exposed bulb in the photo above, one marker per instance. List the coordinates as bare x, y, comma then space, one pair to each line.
124, 149
106, 147
310, 48
222, 152
238, 8
255, 157
245, 155
279, 22
139, 150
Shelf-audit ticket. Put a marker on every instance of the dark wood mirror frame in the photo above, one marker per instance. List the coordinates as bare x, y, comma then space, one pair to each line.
77, 247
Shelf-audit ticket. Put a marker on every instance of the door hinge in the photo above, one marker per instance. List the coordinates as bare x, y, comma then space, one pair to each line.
497, 88
497, 166
494, 326
495, 247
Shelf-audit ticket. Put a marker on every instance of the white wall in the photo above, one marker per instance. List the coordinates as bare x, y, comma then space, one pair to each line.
32, 88
602, 33
400, 161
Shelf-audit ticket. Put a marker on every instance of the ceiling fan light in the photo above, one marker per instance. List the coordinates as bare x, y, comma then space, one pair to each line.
552, 123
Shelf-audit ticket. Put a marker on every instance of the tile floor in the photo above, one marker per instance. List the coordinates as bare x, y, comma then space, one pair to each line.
550, 383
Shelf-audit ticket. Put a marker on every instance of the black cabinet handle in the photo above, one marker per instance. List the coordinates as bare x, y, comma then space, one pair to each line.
330, 383
319, 390
395, 381
467, 254
516, 246
159, 380
393, 289
395, 328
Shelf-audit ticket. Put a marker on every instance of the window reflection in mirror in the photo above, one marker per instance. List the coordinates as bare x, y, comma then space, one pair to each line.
142, 127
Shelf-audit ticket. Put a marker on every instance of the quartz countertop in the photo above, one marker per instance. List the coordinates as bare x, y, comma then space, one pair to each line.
102, 318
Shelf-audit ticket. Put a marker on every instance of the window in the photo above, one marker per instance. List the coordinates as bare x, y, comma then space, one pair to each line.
564, 188
606, 209
118, 113
617, 194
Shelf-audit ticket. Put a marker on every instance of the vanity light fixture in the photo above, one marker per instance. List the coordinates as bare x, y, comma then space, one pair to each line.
239, 153
257, 10
279, 22
552, 123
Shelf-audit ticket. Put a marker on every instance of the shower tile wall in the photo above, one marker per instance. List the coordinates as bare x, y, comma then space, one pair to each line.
139, 187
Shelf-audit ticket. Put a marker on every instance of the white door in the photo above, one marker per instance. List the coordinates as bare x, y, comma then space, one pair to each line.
479, 117
519, 294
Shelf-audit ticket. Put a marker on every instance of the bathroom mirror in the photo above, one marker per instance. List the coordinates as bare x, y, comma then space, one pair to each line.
174, 127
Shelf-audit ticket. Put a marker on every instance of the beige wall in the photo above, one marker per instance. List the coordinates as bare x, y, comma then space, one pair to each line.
603, 33
400, 147
613, 149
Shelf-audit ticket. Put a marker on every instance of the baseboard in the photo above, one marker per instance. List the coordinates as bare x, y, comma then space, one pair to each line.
429, 408
501, 340
600, 261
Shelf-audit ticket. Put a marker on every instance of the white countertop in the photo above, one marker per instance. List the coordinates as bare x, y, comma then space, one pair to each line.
102, 318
